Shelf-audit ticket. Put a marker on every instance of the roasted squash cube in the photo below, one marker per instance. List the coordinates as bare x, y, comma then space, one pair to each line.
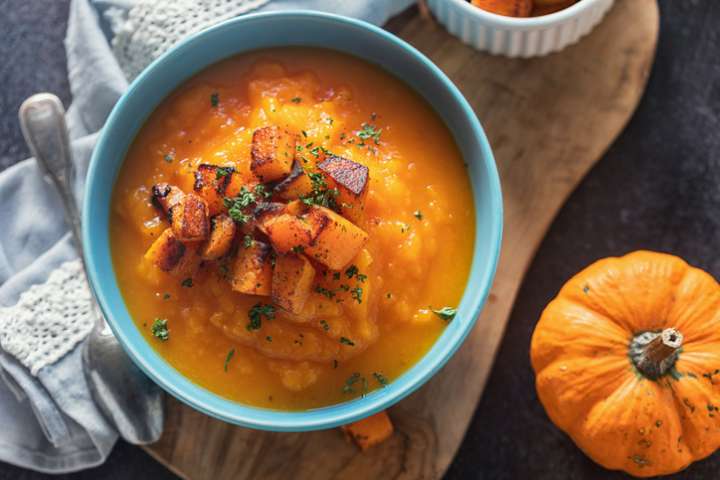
166, 251
351, 181
211, 183
253, 271
335, 240
295, 185
288, 232
292, 282
222, 234
369, 431
272, 152
166, 196
190, 220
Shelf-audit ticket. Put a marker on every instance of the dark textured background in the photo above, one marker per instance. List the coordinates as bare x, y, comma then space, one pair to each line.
658, 187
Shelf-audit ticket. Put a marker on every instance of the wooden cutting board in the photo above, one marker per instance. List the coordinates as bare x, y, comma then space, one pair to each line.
548, 120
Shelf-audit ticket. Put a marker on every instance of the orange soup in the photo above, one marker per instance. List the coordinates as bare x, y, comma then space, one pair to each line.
292, 228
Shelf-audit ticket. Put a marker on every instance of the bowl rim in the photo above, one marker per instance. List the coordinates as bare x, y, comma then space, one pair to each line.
542, 21
210, 403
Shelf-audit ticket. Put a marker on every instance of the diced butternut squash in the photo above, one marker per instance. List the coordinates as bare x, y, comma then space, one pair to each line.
166, 196
211, 183
288, 232
172, 256
190, 220
253, 271
222, 234
166, 251
370, 431
292, 282
335, 240
351, 181
295, 185
272, 152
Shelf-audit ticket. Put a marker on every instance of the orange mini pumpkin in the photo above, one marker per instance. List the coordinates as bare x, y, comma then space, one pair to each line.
627, 362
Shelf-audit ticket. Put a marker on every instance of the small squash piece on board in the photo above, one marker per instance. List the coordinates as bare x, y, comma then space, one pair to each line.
369, 431
292, 282
253, 271
625, 359
351, 181
272, 153
211, 183
190, 220
297, 184
335, 240
166, 196
509, 8
222, 234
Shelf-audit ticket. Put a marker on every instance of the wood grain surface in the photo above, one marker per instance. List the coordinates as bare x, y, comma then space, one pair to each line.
548, 120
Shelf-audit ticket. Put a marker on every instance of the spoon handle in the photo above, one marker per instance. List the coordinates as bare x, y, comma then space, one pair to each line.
42, 119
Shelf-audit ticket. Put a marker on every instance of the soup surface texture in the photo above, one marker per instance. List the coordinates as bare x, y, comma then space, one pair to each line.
362, 324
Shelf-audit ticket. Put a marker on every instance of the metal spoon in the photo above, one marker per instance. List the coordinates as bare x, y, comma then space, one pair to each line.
128, 399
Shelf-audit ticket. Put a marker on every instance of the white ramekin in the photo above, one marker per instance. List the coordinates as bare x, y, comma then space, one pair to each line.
519, 37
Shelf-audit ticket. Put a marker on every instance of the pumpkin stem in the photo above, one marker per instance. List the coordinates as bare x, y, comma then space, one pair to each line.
655, 353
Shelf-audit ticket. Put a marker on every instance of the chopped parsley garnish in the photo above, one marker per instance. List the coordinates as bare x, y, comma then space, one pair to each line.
369, 132
224, 270
268, 338
187, 283
347, 341
296, 99
418, 214
261, 191
159, 329
298, 249
336, 275
244, 199
256, 313
248, 241
325, 325
446, 313
169, 158
222, 172
228, 358
351, 271
350, 382
320, 195
304, 133
381, 379
214, 99
166, 296
324, 291
356, 294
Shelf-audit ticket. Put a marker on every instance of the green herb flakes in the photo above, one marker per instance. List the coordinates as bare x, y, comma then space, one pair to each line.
248, 241
381, 379
228, 358
347, 341
187, 283
446, 313
296, 99
214, 99
418, 214
160, 330
256, 313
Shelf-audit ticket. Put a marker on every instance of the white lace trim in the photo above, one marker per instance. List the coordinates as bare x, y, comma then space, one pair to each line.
151, 27
49, 319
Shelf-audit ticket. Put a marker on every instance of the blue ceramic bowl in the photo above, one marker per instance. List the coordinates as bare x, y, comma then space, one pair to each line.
298, 28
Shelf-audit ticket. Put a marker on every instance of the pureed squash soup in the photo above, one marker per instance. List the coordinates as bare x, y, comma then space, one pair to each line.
292, 228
